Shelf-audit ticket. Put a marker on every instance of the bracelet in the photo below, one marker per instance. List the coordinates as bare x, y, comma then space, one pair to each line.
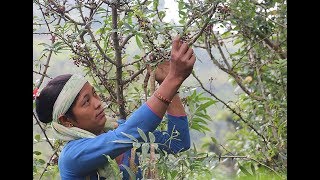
161, 98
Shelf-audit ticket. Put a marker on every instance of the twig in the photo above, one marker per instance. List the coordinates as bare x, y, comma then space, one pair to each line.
232, 73
134, 76
42, 74
44, 132
238, 114
50, 52
221, 52
126, 39
99, 47
118, 57
48, 163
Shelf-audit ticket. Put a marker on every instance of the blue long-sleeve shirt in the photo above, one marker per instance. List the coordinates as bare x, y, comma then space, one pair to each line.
82, 157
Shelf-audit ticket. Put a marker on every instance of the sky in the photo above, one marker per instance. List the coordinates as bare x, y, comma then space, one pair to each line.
172, 11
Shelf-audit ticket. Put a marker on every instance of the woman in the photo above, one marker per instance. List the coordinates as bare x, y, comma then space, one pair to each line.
77, 116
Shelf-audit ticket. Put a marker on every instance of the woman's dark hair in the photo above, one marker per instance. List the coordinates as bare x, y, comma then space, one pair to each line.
49, 95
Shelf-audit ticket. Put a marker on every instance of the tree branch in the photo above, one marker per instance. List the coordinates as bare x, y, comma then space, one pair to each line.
48, 163
276, 48
126, 40
44, 133
221, 52
117, 48
134, 76
45, 75
46, 66
238, 114
99, 47
213, 10
230, 72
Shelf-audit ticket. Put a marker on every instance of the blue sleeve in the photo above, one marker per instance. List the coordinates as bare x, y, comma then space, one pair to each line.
85, 155
177, 137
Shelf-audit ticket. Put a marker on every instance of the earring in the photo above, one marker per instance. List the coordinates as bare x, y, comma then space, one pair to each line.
71, 125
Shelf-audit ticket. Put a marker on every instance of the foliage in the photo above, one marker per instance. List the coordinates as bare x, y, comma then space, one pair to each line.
115, 41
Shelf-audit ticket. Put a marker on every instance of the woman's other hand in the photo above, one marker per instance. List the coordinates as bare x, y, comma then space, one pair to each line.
162, 71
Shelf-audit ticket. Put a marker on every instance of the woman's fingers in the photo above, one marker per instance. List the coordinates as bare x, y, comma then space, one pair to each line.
183, 49
192, 60
188, 54
175, 44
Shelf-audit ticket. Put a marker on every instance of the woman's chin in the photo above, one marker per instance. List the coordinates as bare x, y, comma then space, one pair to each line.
103, 120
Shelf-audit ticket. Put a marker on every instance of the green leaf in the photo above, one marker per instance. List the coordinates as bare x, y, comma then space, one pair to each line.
145, 149
199, 120
136, 57
237, 41
115, 167
194, 147
136, 145
35, 169
128, 26
202, 115
152, 137
155, 4
37, 137
225, 34
205, 105
122, 141
162, 15
181, 21
130, 136
37, 153
129, 18
132, 175
138, 42
253, 169
214, 140
143, 135
41, 161
204, 127
173, 174
181, 5
244, 170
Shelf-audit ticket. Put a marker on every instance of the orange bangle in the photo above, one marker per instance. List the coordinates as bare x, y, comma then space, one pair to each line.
161, 98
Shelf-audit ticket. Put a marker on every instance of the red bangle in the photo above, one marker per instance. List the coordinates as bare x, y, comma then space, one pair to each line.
161, 98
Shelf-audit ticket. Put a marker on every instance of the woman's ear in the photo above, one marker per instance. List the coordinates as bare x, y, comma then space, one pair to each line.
65, 121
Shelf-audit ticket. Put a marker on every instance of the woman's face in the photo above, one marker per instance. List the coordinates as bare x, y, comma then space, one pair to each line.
88, 110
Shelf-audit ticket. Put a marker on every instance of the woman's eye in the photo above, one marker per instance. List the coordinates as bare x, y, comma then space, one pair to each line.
86, 101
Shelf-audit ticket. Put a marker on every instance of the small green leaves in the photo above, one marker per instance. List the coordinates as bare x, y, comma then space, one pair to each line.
244, 170
138, 42
37, 137
132, 175
130, 136
152, 137
36, 153
143, 135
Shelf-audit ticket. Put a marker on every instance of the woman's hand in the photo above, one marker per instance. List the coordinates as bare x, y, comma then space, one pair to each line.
162, 71
180, 67
182, 60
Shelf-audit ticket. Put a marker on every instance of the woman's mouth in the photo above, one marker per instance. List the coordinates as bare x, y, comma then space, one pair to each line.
100, 115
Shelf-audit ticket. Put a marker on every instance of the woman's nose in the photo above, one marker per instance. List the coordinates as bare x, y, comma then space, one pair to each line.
97, 103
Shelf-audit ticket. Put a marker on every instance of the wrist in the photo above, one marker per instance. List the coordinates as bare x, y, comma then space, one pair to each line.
174, 79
